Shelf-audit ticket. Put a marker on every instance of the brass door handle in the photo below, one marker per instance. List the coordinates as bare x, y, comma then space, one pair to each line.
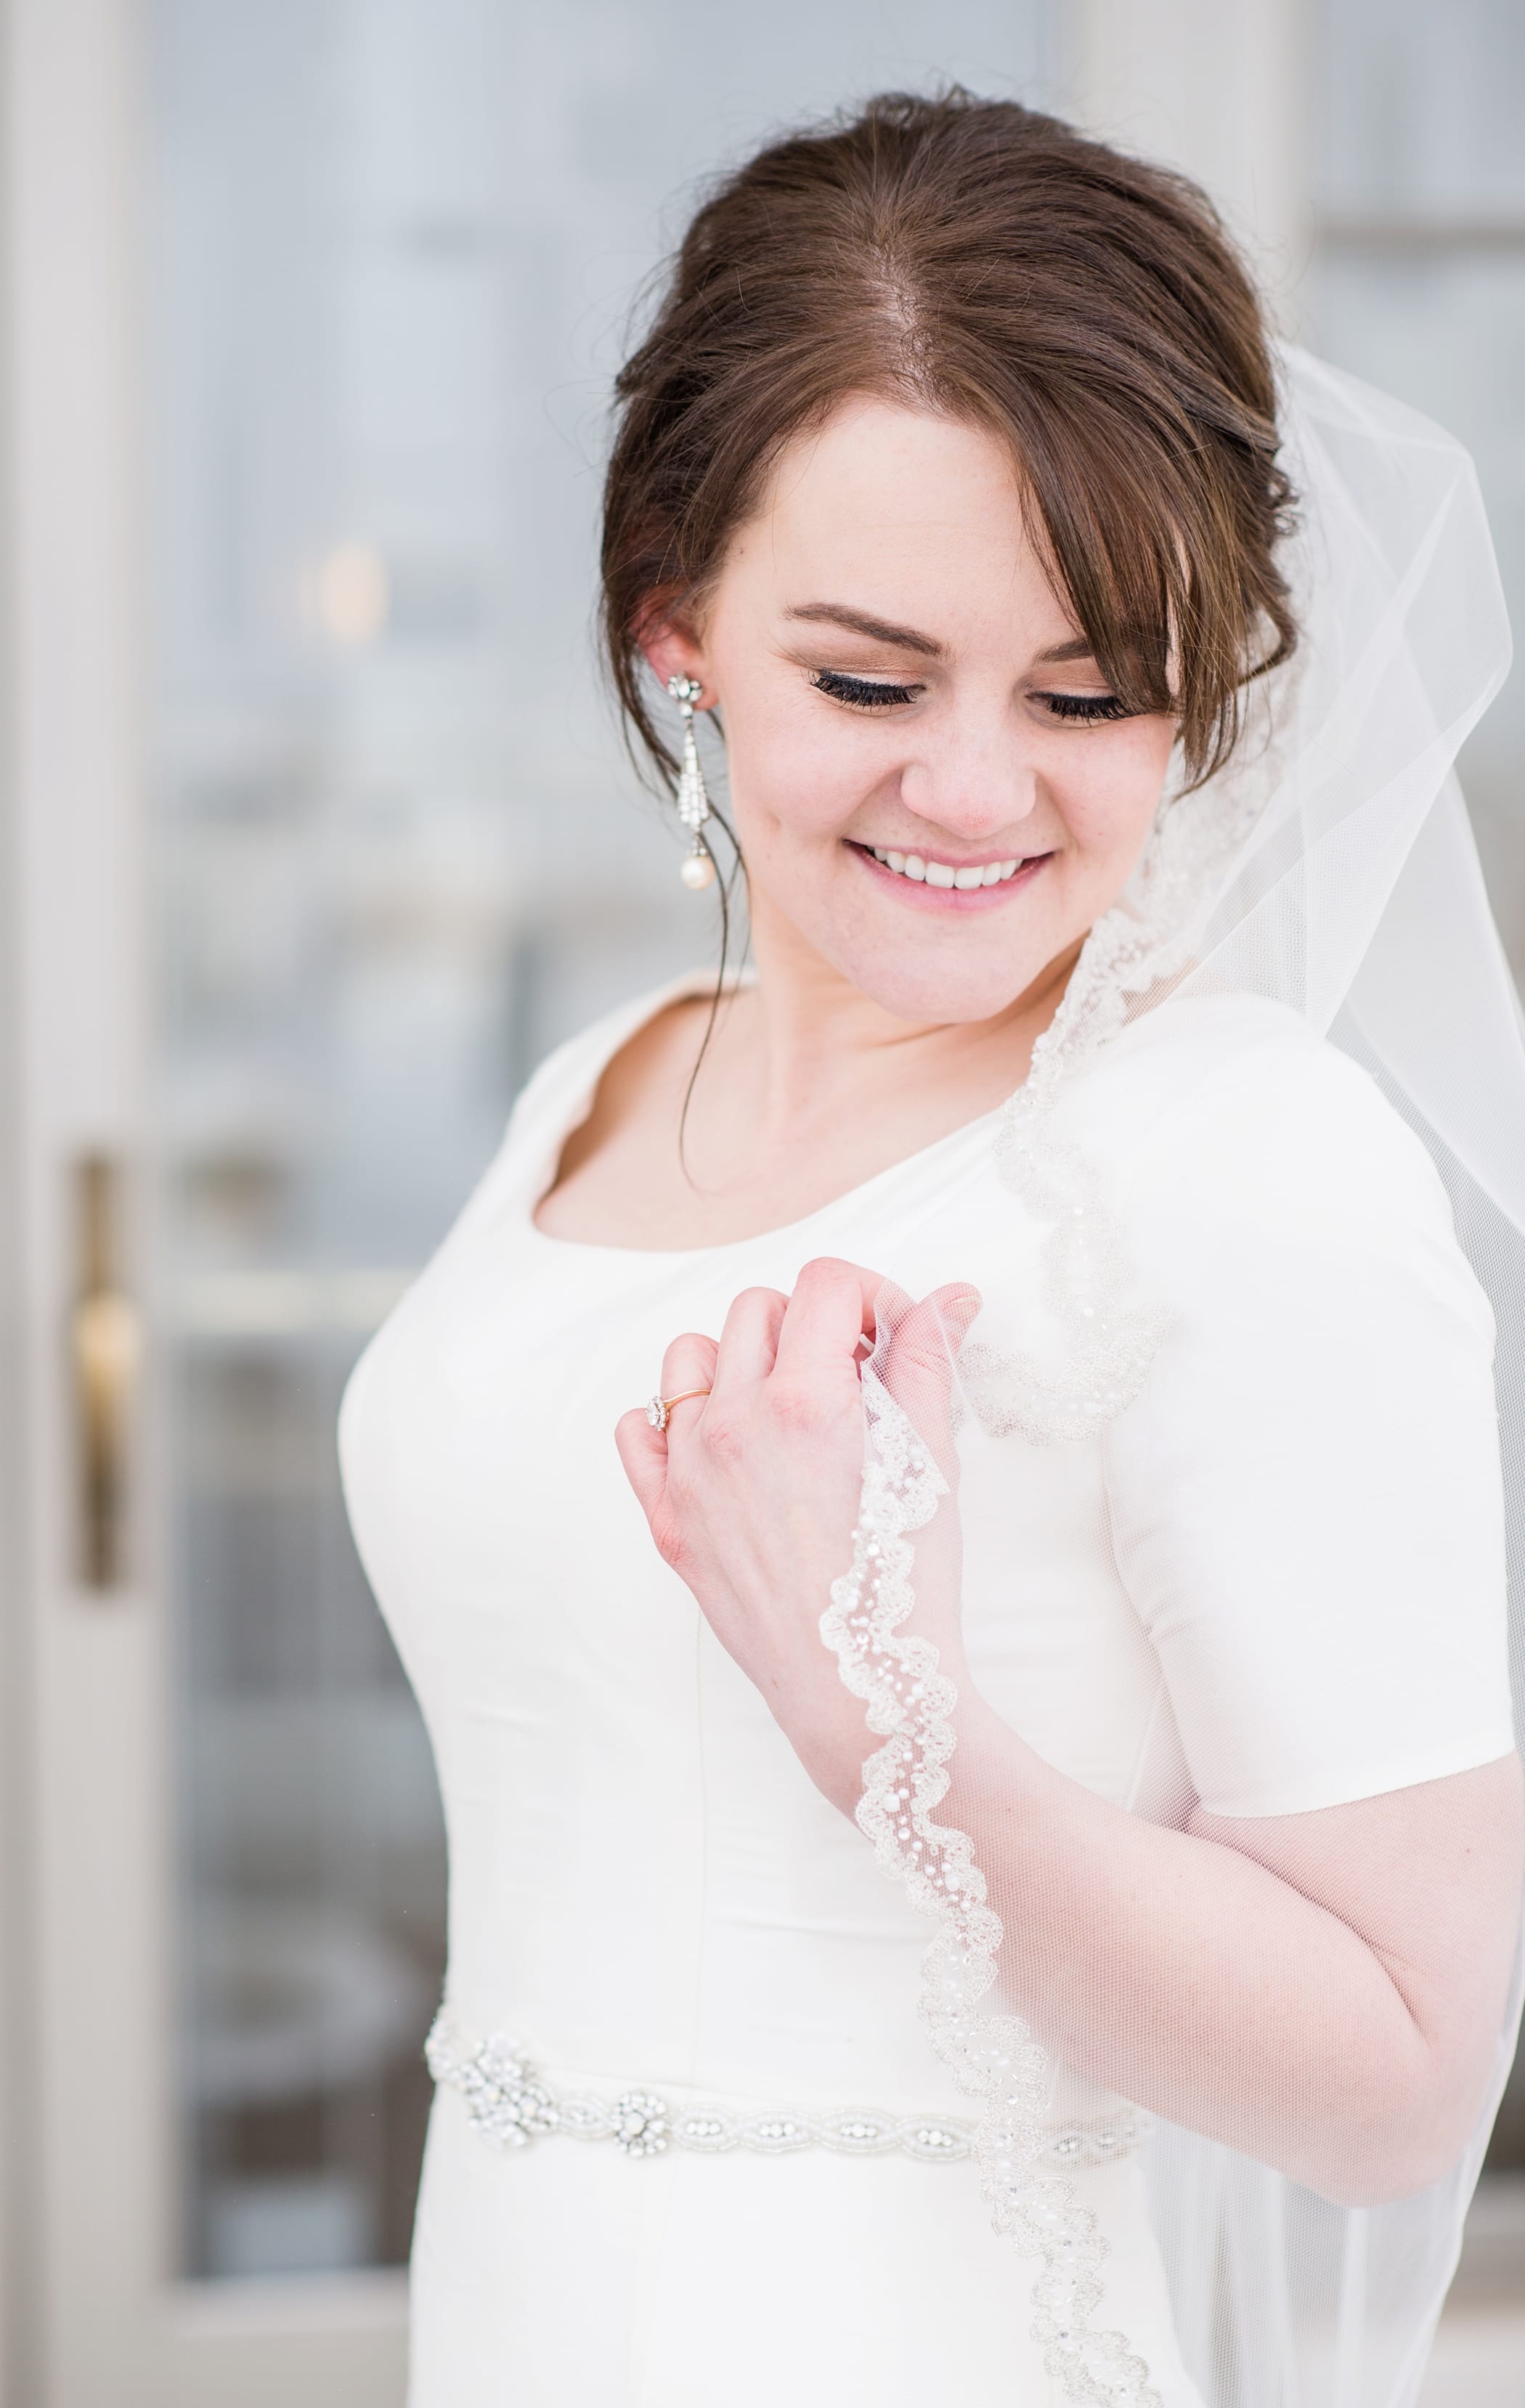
106, 1345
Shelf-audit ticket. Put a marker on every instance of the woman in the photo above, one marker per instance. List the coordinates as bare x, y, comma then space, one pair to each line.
1069, 748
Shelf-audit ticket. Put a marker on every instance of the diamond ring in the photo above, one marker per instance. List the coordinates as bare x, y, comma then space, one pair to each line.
660, 1407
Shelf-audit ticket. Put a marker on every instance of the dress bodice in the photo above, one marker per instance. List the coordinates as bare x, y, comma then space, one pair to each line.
643, 1880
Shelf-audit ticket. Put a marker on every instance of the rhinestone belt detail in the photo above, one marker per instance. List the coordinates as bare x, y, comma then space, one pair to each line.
509, 2103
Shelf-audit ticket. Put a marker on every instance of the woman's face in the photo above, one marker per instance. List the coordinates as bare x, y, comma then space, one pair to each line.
909, 710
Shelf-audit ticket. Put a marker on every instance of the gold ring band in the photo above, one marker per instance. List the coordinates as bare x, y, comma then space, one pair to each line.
660, 1407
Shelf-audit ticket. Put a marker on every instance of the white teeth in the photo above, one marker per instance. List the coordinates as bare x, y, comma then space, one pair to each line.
941, 873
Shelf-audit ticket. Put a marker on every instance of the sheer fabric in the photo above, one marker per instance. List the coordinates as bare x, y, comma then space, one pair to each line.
1225, 1448
647, 1896
1325, 880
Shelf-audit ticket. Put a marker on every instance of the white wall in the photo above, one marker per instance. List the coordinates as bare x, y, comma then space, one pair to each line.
1220, 88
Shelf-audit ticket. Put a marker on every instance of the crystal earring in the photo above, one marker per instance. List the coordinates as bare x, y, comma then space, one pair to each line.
697, 869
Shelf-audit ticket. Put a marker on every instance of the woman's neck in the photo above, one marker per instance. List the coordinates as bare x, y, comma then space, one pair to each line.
815, 1043
803, 1089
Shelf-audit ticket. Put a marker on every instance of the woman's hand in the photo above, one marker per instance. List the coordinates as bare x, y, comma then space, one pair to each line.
1357, 1954
751, 1491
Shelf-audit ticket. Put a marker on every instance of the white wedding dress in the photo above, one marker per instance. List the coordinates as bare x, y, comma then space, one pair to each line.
1273, 1583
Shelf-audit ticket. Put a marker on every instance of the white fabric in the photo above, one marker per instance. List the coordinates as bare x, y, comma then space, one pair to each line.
1327, 868
1275, 1580
1338, 1513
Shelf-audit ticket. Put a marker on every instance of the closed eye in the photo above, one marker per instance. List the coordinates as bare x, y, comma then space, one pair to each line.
864, 694
1083, 710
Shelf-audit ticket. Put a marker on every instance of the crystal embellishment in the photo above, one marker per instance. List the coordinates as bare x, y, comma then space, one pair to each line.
698, 867
642, 2126
992, 2058
503, 2097
510, 2103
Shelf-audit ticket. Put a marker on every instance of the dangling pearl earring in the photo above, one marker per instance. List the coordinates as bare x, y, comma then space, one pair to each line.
697, 867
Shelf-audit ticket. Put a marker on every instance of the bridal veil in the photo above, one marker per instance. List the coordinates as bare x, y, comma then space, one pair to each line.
1329, 868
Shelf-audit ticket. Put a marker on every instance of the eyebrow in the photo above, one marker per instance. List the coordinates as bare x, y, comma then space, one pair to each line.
1078, 648
910, 639
879, 631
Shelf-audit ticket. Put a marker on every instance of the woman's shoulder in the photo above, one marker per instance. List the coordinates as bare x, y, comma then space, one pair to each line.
1232, 1103
1253, 1160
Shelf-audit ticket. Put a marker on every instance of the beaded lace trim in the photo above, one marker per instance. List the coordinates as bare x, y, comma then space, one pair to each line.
994, 2058
1110, 1341
509, 2102
1134, 956
1137, 955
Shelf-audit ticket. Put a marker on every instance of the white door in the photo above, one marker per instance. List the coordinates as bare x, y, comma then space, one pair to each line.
104, 2099
319, 835
316, 835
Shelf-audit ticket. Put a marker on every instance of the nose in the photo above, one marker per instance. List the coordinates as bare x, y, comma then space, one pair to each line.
972, 781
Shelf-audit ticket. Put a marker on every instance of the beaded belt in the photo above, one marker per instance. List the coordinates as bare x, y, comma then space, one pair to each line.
510, 2103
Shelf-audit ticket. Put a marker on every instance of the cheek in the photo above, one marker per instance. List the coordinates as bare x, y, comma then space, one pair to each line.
796, 771
1108, 792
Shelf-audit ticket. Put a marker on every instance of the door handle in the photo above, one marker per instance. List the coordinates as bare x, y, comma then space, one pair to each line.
106, 1346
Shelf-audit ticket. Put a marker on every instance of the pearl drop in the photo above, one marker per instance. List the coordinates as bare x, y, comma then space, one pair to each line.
696, 870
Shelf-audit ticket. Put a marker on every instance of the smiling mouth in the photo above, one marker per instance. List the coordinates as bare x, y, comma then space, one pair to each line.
922, 869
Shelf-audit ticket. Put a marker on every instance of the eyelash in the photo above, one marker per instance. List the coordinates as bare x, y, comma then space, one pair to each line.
871, 694
864, 693
1085, 709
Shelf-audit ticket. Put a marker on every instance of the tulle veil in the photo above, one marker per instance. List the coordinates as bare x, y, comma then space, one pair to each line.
1331, 869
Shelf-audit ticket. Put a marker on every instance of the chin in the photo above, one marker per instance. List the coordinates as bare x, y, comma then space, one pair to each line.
956, 966
960, 993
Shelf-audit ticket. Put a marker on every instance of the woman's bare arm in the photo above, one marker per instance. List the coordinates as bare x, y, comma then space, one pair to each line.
1324, 1991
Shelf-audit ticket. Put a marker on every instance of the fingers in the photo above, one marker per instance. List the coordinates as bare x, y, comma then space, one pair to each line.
924, 1343
749, 1340
689, 1363
819, 1331
958, 1307
926, 1336
831, 1310
643, 1452
916, 1363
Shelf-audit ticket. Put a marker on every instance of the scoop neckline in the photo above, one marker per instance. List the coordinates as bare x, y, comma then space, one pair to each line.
625, 1028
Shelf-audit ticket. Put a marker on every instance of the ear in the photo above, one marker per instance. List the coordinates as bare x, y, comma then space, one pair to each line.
676, 652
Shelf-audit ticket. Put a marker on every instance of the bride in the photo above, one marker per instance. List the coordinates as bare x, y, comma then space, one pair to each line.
1072, 1484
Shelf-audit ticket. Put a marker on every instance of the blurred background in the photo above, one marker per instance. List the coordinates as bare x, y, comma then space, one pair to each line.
317, 836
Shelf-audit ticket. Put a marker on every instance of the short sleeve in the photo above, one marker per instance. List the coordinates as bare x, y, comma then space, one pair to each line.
1306, 1499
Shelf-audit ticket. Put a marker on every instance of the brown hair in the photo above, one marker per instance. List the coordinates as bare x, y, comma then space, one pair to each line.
974, 257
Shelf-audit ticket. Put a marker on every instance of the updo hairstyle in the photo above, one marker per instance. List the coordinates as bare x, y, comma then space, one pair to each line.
974, 258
